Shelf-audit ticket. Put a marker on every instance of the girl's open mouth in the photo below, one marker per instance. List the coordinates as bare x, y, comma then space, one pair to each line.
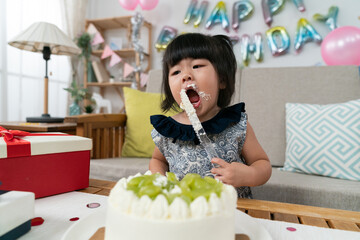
193, 97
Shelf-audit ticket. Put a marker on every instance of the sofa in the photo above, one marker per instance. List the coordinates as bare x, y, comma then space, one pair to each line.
265, 92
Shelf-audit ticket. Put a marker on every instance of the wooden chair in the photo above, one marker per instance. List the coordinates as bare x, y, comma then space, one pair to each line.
106, 130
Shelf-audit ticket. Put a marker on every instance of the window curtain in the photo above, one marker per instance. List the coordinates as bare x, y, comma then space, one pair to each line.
73, 13
22, 72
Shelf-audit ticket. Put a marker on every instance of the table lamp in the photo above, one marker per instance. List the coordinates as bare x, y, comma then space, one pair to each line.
48, 39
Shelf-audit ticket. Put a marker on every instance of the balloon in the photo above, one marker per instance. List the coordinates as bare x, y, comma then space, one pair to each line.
255, 48
300, 5
329, 19
234, 40
218, 15
197, 14
305, 32
282, 35
270, 7
342, 46
242, 10
166, 35
128, 4
148, 4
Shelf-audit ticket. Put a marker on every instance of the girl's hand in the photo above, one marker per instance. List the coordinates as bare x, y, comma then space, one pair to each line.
234, 173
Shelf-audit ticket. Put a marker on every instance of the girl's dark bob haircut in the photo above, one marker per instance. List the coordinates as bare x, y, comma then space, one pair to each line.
217, 49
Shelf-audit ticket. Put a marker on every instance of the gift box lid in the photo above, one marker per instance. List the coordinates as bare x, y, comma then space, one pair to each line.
43, 144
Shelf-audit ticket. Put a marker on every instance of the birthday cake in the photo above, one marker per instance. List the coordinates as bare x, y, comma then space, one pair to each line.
156, 207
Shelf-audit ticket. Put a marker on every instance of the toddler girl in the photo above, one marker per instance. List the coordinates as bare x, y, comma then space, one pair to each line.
205, 67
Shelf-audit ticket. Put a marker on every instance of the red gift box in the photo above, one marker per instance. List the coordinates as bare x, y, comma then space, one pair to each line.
45, 164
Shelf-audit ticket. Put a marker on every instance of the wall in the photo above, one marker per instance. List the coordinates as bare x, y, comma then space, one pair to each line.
172, 12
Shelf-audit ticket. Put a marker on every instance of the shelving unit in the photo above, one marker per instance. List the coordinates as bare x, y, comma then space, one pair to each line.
122, 24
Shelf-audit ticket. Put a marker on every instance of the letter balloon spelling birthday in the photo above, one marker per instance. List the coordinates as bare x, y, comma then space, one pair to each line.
330, 19
255, 48
242, 10
218, 15
305, 32
166, 35
194, 13
274, 36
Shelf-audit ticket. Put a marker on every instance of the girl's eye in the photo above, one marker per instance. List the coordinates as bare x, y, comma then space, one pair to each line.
175, 73
197, 66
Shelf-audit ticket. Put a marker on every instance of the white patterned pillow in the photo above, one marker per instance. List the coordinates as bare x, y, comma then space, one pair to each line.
323, 139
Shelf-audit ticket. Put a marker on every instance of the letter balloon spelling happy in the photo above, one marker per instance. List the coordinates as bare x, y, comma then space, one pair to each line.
218, 15
242, 10
194, 13
271, 7
282, 35
305, 32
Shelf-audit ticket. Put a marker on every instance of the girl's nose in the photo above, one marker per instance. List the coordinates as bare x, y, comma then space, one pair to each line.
186, 77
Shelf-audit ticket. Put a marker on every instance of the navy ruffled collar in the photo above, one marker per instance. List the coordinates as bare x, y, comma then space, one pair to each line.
168, 127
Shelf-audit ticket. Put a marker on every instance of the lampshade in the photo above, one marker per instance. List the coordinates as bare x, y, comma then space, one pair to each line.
45, 38
42, 34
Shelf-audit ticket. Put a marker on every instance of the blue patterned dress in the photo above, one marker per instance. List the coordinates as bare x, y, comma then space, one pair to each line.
180, 145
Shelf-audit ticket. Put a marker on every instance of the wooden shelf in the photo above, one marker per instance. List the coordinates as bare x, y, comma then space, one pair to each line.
113, 23
125, 53
109, 84
123, 25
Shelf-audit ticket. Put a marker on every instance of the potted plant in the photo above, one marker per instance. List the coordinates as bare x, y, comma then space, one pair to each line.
91, 103
84, 42
77, 93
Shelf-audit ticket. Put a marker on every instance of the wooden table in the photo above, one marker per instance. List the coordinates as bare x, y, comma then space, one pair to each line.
293, 213
69, 128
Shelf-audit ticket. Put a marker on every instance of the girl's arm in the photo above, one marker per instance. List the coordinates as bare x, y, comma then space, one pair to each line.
255, 173
158, 162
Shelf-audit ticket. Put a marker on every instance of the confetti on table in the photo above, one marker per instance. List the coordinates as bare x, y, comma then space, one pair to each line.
291, 229
37, 221
93, 205
74, 219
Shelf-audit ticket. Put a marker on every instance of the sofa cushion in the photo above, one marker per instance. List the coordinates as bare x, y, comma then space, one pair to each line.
113, 169
310, 190
323, 139
265, 92
139, 106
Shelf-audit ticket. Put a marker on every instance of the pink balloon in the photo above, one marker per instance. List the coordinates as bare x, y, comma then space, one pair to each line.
148, 4
129, 4
342, 46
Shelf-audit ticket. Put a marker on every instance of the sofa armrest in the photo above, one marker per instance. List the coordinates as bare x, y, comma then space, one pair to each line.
107, 132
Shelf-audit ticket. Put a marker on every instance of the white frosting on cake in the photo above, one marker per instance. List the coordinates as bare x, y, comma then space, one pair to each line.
131, 217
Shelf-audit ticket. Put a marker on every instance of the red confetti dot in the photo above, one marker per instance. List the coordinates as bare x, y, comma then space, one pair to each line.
291, 229
74, 219
93, 205
37, 221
